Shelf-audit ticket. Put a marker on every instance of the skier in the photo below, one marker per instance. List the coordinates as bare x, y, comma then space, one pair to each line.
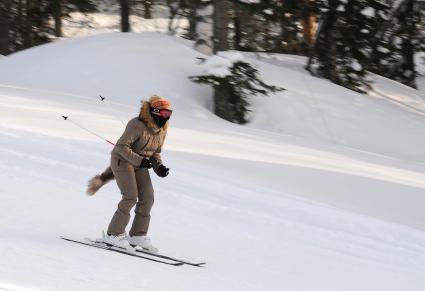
137, 150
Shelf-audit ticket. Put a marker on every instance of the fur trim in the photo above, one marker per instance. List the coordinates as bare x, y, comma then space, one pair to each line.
98, 181
94, 184
145, 116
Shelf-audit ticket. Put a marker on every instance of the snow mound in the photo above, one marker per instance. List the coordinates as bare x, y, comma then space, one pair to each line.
125, 66
129, 67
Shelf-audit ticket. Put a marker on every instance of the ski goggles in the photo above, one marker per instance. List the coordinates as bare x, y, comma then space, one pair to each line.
166, 113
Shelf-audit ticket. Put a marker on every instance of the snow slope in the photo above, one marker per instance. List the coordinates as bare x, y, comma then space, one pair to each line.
323, 190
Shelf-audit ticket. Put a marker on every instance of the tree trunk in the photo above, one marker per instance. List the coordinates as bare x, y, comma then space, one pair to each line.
28, 25
308, 23
173, 13
237, 22
222, 92
408, 48
221, 22
408, 66
147, 11
222, 101
323, 48
58, 5
204, 30
193, 19
125, 15
18, 27
5, 10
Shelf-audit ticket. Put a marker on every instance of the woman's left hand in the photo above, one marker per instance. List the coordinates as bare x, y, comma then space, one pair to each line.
162, 171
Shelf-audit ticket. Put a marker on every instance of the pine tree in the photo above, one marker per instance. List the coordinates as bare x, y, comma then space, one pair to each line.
345, 39
240, 80
270, 25
191, 10
37, 29
400, 38
61, 8
234, 81
34, 22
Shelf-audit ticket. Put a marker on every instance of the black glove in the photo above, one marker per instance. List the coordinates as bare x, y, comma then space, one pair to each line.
145, 164
162, 171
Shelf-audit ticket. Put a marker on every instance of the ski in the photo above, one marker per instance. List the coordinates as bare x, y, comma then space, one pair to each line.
139, 250
121, 251
170, 258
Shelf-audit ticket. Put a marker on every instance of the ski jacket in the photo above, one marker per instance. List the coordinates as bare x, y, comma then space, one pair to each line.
142, 138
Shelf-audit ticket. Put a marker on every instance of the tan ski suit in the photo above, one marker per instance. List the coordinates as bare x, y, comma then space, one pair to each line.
141, 139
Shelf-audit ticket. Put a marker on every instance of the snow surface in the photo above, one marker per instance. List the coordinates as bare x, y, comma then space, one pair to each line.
323, 190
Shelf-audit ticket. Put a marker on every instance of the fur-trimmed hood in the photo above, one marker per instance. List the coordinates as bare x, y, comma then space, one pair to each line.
146, 117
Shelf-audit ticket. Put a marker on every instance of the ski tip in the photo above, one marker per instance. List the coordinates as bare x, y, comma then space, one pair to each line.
196, 264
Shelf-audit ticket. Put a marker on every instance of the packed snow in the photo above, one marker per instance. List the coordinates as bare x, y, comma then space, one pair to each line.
324, 189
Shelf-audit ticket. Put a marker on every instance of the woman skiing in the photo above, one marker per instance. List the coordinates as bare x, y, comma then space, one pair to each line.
137, 150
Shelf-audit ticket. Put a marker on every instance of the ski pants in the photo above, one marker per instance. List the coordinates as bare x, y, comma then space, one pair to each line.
136, 190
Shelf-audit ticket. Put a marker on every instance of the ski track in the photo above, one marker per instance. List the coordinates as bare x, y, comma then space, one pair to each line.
298, 219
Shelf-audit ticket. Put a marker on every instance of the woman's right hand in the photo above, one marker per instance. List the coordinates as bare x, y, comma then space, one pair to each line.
146, 163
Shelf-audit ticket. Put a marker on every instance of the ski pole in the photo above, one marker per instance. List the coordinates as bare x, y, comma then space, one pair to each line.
112, 109
66, 118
